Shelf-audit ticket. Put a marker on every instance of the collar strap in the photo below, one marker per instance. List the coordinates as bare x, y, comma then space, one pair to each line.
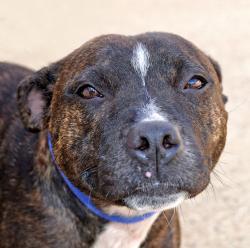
86, 199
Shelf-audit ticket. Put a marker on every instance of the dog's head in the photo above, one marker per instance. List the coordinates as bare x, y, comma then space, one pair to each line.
137, 120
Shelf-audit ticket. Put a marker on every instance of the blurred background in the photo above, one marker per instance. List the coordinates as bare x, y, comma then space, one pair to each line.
35, 33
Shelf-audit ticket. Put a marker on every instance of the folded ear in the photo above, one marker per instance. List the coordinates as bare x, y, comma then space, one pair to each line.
219, 75
34, 95
216, 68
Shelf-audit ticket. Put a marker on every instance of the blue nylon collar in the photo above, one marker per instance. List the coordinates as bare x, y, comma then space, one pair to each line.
86, 200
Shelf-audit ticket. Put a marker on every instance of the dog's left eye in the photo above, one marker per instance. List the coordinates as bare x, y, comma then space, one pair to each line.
88, 92
195, 83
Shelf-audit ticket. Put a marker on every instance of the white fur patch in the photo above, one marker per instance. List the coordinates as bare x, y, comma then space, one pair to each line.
140, 61
180, 197
171, 201
152, 113
117, 235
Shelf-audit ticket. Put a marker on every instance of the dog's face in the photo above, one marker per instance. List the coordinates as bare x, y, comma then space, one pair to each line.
138, 121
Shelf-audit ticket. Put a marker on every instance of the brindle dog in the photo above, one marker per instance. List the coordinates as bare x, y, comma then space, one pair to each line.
137, 123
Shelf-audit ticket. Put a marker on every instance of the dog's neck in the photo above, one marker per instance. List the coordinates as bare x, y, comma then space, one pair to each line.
66, 211
91, 229
117, 235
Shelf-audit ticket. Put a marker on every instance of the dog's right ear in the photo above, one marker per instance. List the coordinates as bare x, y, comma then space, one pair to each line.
219, 75
216, 68
34, 95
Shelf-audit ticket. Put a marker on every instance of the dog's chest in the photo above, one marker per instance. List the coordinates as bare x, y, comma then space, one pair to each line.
116, 235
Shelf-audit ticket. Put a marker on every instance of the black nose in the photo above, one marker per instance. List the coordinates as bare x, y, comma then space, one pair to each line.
154, 142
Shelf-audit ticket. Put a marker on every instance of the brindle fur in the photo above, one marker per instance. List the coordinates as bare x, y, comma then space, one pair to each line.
37, 209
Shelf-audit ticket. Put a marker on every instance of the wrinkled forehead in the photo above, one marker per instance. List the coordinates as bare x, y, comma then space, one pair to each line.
155, 48
126, 57
125, 60
138, 54
142, 54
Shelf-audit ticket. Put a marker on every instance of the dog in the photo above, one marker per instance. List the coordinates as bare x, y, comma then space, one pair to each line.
99, 148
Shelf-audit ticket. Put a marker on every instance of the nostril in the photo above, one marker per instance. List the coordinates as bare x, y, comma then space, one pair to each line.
144, 144
166, 142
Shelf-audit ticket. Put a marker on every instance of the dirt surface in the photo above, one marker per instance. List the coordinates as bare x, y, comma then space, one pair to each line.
35, 33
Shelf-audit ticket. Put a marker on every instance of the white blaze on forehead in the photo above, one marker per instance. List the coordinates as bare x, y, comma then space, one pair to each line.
152, 113
140, 60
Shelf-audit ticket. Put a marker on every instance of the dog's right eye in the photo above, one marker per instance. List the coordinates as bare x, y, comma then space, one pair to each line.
88, 92
195, 83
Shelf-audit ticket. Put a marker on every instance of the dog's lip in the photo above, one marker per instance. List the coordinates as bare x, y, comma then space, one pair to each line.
155, 189
158, 197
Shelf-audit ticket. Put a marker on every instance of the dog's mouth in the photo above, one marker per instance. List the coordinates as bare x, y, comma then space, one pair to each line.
156, 197
154, 203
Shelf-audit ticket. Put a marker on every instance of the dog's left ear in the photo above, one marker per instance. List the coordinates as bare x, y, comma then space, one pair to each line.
34, 95
219, 75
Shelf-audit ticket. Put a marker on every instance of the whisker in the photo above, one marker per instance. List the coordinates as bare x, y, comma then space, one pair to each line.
218, 176
106, 196
180, 211
213, 189
169, 222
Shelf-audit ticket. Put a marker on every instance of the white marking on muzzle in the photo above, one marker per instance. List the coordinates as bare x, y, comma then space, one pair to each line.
152, 113
172, 201
140, 61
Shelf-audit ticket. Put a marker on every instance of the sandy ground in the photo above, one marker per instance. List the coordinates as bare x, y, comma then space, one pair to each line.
35, 33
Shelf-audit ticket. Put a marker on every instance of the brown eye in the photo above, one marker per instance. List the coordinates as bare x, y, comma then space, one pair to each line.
195, 83
88, 92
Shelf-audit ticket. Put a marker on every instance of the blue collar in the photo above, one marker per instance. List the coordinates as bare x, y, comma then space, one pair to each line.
86, 200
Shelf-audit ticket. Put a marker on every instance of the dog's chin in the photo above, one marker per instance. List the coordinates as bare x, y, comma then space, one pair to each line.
146, 203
